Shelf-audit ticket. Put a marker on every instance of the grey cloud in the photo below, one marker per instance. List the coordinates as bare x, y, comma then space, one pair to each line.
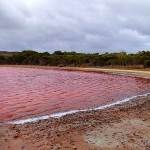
80, 25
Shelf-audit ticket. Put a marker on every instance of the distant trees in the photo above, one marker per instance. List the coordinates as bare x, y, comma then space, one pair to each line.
146, 63
59, 58
29, 57
2, 59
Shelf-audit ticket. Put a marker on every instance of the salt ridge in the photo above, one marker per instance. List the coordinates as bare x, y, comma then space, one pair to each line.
61, 114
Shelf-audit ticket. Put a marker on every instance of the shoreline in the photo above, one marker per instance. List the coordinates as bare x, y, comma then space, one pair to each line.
62, 114
119, 127
141, 73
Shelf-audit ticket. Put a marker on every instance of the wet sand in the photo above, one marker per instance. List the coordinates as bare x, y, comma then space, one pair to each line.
121, 127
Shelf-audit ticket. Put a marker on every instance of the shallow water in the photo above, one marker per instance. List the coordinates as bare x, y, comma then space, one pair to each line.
26, 92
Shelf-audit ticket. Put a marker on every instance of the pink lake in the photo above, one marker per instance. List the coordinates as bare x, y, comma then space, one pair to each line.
27, 92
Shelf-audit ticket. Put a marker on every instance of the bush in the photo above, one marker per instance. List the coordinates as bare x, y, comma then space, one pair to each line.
2, 59
146, 63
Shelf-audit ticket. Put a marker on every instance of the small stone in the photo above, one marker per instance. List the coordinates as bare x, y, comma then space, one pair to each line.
15, 137
74, 147
58, 134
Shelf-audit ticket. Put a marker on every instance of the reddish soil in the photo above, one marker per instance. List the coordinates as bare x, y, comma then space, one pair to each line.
122, 127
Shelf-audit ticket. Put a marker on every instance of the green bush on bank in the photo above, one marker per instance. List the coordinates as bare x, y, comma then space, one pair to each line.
59, 58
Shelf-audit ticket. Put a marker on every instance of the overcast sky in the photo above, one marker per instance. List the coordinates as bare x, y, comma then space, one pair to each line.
75, 25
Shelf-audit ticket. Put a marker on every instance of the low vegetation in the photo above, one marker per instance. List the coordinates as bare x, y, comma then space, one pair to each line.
59, 58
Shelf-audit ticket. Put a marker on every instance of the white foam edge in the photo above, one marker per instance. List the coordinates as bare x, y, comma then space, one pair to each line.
61, 114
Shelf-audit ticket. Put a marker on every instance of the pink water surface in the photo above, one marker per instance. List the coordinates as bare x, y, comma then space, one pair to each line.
26, 92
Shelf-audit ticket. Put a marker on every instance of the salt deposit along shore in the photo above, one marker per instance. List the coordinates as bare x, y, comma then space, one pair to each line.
121, 127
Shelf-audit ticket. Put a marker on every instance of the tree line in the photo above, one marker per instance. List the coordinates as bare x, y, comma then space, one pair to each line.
59, 58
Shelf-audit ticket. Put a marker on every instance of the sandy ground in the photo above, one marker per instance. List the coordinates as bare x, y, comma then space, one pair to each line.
121, 127
144, 73
135, 73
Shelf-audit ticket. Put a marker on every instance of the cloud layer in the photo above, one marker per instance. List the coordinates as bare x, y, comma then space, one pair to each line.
75, 25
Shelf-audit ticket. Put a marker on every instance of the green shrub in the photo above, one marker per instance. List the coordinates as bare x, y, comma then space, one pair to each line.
146, 63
